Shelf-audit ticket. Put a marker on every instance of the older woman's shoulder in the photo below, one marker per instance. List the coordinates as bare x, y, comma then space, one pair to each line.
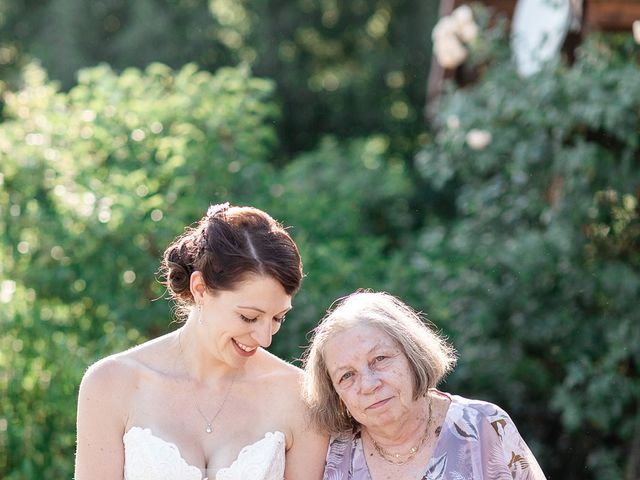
482, 407
492, 427
472, 414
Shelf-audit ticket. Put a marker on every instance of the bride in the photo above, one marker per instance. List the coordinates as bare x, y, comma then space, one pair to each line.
207, 401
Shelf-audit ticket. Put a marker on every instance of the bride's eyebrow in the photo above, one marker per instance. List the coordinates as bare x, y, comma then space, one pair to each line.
248, 307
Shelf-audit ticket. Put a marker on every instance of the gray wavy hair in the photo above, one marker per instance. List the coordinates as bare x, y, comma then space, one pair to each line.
429, 355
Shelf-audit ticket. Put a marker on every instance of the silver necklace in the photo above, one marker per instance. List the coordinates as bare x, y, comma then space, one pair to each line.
209, 423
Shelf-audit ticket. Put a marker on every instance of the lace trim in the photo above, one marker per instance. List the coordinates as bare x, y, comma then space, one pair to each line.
149, 457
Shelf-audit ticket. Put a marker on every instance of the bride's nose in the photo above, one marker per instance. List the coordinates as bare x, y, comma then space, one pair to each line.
263, 333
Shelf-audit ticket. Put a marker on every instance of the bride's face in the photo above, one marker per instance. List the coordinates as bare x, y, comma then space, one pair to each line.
235, 323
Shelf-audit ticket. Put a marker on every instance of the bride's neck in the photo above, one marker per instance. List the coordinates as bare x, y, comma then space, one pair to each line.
200, 364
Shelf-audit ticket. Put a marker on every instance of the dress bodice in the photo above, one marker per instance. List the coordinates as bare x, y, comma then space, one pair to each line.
148, 457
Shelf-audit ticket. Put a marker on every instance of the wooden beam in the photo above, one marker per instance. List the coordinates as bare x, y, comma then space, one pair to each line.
506, 7
437, 74
611, 15
601, 15
435, 82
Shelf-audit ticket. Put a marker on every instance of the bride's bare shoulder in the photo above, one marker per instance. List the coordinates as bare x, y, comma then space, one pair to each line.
123, 370
280, 371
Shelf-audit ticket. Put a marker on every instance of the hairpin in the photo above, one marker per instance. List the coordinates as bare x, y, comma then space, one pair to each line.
213, 210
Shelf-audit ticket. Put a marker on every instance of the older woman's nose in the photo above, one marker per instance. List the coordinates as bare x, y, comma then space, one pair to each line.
369, 381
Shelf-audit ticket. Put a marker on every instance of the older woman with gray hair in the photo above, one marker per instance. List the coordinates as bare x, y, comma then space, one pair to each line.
372, 368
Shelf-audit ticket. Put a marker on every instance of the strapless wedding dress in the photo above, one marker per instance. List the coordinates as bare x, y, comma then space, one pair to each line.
147, 457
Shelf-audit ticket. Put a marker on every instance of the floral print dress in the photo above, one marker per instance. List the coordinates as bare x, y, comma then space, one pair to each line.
478, 441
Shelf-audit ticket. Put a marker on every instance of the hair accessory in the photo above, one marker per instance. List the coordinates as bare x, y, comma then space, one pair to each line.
213, 210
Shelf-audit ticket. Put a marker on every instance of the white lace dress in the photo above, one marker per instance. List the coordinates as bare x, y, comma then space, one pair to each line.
148, 457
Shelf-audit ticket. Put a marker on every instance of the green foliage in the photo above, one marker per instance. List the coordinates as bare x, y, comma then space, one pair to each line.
97, 181
67, 35
523, 246
95, 184
110, 161
347, 68
44, 349
537, 276
345, 221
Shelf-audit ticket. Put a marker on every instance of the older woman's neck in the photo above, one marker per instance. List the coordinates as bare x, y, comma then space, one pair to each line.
406, 431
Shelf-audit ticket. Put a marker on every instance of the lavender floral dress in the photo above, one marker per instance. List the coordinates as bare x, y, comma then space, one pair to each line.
478, 441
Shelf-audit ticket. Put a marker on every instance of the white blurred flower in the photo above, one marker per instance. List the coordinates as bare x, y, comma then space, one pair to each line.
462, 14
450, 53
453, 122
636, 31
7, 289
468, 32
449, 34
444, 29
478, 139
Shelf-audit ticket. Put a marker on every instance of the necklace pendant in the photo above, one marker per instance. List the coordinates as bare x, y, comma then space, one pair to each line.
209, 428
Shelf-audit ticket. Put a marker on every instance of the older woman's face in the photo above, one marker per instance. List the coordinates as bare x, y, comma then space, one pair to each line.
371, 374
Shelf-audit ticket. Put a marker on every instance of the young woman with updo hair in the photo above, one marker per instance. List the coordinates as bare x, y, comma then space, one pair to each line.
207, 401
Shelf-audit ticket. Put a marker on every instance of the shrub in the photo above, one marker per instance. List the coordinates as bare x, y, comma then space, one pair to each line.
347, 204
537, 275
95, 183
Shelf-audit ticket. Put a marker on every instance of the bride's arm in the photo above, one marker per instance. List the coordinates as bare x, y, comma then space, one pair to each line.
101, 422
307, 452
306, 457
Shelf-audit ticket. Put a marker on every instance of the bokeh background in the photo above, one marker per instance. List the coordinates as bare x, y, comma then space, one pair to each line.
507, 210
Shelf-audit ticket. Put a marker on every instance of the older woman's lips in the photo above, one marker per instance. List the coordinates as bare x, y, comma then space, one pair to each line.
379, 404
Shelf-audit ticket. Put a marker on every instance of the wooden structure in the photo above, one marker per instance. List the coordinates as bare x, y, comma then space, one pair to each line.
606, 15
591, 15
610, 15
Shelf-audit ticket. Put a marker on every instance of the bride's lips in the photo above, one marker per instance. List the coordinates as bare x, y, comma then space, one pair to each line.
378, 404
241, 351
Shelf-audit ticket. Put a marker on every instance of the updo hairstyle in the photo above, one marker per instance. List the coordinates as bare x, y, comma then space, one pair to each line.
227, 244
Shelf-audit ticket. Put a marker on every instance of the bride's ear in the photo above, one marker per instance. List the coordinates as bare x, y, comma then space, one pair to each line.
197, 286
